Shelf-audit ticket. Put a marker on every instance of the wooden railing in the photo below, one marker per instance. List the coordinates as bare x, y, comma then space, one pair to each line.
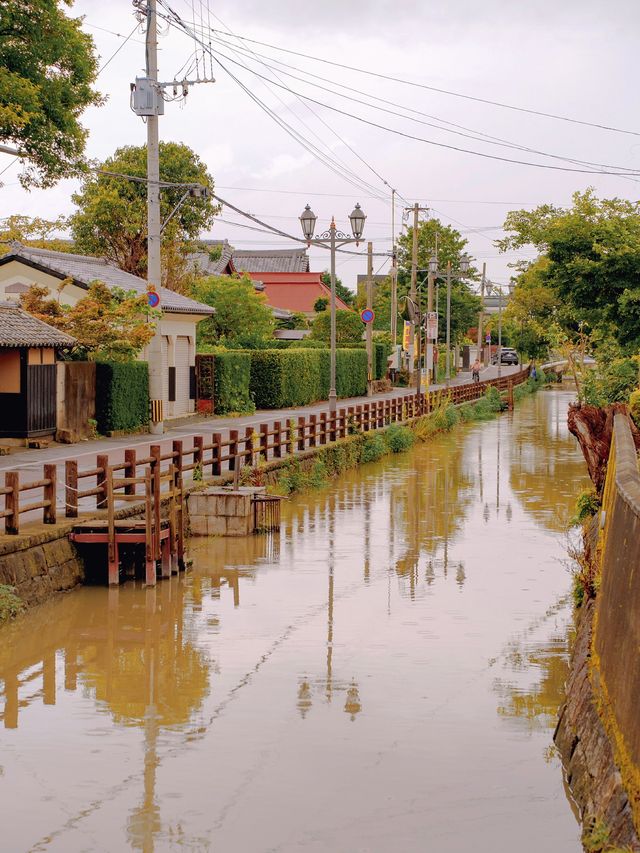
214, 455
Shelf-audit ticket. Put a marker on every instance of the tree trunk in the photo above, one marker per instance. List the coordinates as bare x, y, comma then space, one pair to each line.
593, 427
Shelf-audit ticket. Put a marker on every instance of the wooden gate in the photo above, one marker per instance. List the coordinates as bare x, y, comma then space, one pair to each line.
41, 399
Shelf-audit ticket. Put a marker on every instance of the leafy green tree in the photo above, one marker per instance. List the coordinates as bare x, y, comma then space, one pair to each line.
349, 327
320, 304
534, 312
242, 317
593, 262
47, 68
111, 220
342, 291
34, 231
465, 304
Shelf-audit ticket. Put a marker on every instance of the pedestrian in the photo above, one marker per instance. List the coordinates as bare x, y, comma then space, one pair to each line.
534, 372
475, 370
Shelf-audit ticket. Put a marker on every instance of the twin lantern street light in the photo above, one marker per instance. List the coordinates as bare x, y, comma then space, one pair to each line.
333, 239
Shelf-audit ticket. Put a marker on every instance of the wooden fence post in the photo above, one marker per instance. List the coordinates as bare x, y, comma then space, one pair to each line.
233, 448
198, 454
102, 463
312, 430
177, 457
130, 470
49, 494
264, 441
12, 502
248, 446
323, 427
302, 429
342, 424
291, 437
71, 488
510, 395
216, 454
277, 439
359, 418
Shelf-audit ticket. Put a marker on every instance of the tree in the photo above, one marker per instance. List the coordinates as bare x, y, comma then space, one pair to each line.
465, 304
342, 291
34, 231
592, 253
320, 304
297, 320
47, 68
108, 323
111, 220
349, 327
534, 312
242, 317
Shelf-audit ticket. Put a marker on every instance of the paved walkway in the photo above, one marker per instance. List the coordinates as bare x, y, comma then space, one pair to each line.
29, 462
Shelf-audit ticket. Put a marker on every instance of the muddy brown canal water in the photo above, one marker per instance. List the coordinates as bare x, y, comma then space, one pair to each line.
383, 675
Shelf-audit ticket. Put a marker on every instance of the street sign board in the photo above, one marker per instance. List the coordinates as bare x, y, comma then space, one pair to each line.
487, 339
432, 326
153, 298
407, 335
367, 315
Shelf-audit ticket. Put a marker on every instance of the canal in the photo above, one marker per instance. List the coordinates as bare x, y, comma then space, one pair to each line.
383, 675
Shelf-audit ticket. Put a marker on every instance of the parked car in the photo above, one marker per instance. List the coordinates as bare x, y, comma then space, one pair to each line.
508, 356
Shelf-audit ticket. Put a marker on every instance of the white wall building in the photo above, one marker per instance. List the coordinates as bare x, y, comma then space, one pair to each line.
24, 266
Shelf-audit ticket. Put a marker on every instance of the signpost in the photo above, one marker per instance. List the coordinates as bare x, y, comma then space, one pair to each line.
432, 326
367, 315
407, 335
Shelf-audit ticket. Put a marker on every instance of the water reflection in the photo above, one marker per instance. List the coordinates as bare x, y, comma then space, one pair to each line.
393, 658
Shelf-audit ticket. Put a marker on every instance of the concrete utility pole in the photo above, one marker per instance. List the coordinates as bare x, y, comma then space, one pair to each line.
480, 316
448, 322
394, 276
413, 288
154, 266
370, 325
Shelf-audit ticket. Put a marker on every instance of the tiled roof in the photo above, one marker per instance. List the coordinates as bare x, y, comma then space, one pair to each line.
19, 329
84, 269
202, 260
297, 292
280, 260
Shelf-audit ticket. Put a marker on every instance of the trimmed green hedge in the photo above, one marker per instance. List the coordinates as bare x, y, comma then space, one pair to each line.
231, 379
122, 395
297, 377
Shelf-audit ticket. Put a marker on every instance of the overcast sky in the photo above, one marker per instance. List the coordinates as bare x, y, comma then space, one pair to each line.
573, 58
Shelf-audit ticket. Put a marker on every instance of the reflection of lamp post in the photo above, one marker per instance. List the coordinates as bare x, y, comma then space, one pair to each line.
333, 239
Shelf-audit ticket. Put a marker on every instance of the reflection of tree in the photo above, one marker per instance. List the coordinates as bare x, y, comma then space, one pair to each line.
543, 456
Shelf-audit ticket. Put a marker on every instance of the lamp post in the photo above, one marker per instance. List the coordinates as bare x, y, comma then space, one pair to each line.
332, 239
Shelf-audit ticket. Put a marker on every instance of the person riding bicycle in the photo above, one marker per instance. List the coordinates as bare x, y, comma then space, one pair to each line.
475, 370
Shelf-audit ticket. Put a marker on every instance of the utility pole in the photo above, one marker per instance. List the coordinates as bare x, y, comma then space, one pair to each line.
154, 267
480, 315
370, 325
499, 330
448, 322
413, 291
394, 276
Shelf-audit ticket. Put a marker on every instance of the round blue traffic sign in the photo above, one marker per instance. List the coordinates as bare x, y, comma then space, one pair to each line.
154, 299
367, 315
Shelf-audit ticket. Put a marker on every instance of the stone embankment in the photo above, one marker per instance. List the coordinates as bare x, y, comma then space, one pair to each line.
598, 734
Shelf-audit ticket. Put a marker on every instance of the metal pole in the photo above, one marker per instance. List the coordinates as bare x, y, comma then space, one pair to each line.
448, 322
499, 331
480, 333
154, 267
369, 325
414, 281
332, 390
394, 276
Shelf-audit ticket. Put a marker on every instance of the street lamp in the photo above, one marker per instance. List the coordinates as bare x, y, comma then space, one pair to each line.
464, 265
332, 239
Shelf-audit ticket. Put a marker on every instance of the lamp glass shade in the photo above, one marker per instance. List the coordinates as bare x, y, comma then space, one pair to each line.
465, 263
308, 221
433, 266
357, 219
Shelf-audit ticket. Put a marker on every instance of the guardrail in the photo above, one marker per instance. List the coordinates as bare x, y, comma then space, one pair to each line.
216, 454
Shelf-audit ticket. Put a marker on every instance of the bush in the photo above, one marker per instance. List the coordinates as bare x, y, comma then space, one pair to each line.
634, 406
297, 377
373, 448
611, 381
399, 438
231, 376
122, 395
587, 505
10, 604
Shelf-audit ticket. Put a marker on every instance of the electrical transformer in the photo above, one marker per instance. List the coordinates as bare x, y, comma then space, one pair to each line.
146, 97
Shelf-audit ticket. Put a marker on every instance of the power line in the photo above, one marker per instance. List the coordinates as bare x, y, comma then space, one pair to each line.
478, 136
406, 135
440, 90
116, 52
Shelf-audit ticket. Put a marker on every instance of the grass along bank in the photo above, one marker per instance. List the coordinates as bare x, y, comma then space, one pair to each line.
316, 468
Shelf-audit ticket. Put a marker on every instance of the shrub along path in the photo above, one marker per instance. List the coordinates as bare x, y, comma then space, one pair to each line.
29, 462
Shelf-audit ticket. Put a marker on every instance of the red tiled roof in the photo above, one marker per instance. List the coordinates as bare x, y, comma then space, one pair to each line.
296, 292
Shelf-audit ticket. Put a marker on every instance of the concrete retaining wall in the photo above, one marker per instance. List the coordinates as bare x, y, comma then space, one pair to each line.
40, 565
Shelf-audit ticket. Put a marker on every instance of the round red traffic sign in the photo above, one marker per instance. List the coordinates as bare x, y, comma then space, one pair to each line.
367, 315
154, 299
